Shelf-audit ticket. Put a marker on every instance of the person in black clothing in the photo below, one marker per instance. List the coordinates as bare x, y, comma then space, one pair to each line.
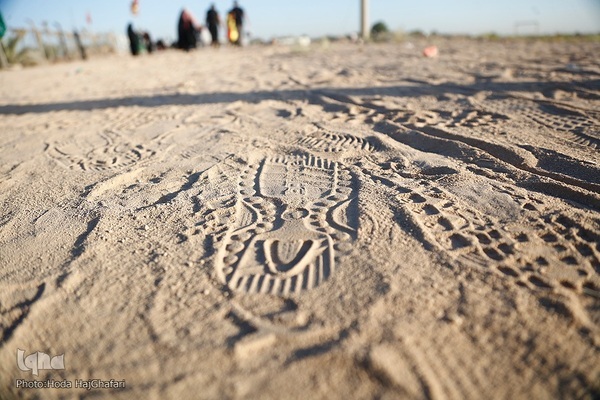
187, 30
213, 21
139, 41
134, 40
238, 15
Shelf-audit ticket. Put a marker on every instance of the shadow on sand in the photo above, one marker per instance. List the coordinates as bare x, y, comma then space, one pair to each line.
411, 89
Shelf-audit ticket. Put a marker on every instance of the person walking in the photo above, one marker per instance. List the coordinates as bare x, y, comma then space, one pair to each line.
235, 24
213, 21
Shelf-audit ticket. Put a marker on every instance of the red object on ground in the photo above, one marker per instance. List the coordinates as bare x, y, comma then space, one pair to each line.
430, 51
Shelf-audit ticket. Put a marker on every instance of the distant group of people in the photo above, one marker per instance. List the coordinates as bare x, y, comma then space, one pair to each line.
188, 30
139, 41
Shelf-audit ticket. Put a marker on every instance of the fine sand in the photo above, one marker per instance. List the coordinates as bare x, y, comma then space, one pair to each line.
341, 221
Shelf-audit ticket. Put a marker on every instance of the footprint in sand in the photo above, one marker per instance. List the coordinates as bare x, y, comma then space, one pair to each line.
108, 152
579, 127
466, 118
325, 140
538, 247
294, 219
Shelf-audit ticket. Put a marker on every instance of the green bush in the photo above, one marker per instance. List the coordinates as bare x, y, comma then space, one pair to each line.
379, 31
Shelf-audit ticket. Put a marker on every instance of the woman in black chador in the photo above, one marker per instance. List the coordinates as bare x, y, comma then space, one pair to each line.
134, 40
187, 30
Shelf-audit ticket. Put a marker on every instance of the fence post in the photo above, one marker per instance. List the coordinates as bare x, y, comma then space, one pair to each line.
63, 41
80, 45
38, 38
3, 58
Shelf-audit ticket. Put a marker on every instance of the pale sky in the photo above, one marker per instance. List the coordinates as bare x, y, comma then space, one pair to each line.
273, 18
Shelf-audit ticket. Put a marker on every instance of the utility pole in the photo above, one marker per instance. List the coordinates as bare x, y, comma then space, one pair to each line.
364, 19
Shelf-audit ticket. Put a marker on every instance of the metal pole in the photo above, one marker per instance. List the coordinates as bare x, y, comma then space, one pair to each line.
364, 19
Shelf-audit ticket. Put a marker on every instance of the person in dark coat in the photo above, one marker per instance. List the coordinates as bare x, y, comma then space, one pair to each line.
134, 40
187, 30
213, 21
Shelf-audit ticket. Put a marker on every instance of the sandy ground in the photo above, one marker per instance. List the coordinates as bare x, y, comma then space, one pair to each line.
343, 221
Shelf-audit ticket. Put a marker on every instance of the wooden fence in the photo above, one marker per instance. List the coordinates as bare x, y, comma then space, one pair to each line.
34, 46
